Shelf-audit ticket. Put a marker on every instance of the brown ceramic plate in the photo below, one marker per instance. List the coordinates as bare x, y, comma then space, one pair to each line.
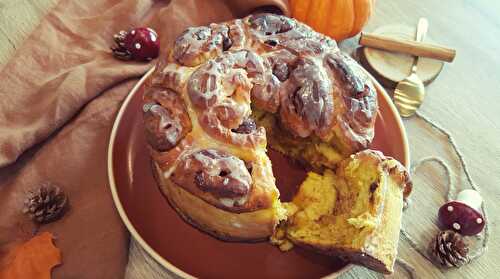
187, 252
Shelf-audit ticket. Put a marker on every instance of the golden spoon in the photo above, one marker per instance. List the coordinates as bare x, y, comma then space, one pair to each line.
410, 92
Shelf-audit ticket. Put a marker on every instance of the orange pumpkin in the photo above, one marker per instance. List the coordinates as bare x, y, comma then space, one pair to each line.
339, 19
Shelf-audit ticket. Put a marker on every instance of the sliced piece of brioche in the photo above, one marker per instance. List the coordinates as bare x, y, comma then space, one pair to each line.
354, 213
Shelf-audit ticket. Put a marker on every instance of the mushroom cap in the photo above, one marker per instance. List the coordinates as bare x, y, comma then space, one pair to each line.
460, 217
143, 43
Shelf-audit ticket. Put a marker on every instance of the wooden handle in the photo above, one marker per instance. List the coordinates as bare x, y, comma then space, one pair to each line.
407, 46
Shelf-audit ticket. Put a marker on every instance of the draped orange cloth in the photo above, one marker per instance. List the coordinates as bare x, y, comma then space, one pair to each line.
59, 95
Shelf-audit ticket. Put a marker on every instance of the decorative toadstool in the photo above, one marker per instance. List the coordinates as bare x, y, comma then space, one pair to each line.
463, 215
140, 44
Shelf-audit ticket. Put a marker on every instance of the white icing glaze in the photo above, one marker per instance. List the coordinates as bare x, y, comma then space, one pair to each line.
237, 225
212, 166
224, 77
167, 173
227, 202
175, 127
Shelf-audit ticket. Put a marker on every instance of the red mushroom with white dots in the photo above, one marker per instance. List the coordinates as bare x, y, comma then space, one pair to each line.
141, 44
463, 215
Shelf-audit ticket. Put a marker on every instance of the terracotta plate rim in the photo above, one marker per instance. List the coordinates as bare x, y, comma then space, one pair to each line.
135, 234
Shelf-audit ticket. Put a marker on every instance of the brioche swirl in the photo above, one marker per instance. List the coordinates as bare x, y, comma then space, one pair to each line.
200, 104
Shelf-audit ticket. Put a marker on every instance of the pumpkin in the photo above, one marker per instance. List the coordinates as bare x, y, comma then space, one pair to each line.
339, 19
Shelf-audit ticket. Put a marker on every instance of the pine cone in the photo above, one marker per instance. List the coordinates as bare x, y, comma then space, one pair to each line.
120, 51
46, 204
450, 249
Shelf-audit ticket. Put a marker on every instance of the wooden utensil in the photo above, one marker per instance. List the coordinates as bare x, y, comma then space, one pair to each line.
410, 92
403, 45
391, 67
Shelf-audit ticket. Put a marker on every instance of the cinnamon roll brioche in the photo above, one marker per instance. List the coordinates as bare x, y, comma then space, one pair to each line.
225, 91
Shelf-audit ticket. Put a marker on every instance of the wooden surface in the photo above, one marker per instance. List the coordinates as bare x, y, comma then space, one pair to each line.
465, 98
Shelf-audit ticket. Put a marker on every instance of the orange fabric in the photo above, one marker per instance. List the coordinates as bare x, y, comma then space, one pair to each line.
58, 98
33, 259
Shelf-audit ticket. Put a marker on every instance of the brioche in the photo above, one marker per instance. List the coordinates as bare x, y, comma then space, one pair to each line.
225, 93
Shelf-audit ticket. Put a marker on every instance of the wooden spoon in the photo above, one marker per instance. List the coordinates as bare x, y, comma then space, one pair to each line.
410, 92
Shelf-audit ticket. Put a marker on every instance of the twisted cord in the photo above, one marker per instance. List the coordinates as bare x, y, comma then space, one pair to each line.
450, 191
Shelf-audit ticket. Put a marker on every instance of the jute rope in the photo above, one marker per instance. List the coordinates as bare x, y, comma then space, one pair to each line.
450, 193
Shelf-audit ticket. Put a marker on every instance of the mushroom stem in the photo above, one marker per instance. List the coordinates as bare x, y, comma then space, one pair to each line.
471, 198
